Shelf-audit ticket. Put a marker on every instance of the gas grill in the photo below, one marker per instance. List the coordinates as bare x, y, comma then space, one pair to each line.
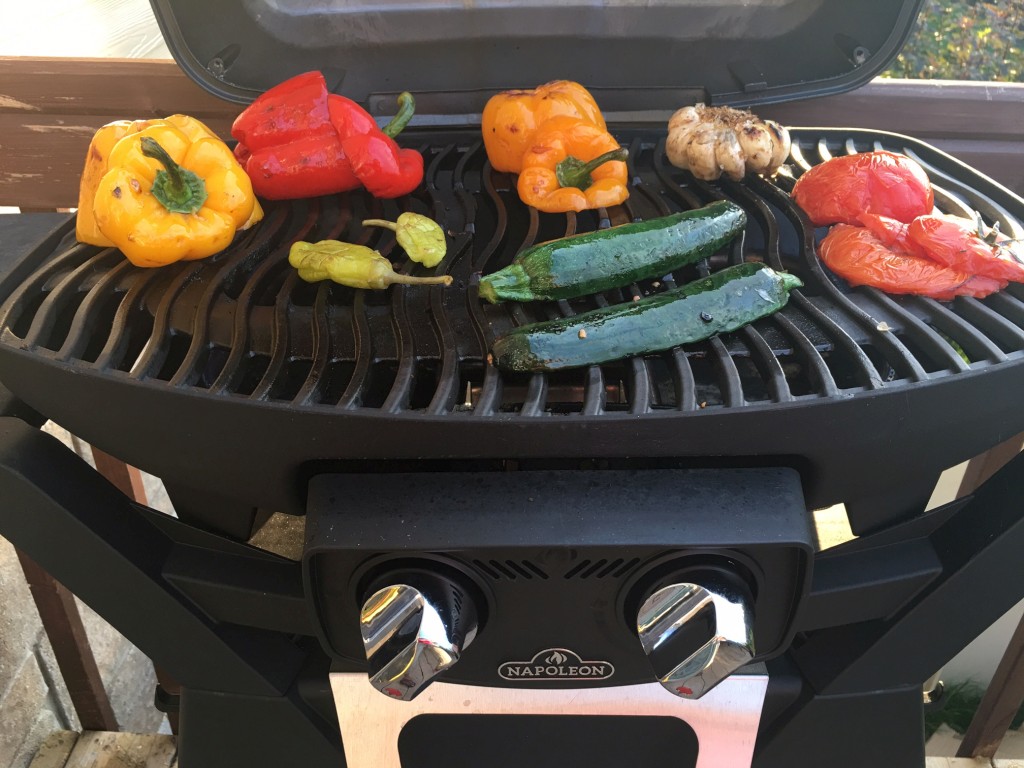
615, 565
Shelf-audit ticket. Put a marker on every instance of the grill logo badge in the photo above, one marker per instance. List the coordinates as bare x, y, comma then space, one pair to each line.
556, 664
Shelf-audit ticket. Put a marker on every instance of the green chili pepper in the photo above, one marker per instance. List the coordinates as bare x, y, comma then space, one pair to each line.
353, 265
420, 237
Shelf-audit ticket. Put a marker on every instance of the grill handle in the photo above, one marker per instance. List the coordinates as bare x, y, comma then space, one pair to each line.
696, 633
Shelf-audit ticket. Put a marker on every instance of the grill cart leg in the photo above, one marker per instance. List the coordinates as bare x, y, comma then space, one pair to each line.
161, 583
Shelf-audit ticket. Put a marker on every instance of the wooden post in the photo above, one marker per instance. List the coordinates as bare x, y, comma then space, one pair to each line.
1001, 702
1005, 692
63, 624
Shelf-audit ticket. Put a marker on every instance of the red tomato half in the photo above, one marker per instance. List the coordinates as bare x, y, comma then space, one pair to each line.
892, 233
882, 183
860, 258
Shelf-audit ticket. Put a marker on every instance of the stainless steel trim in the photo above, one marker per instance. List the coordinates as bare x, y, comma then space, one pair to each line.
725, 720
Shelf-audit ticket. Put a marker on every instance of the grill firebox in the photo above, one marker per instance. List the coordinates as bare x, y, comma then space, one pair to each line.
224, 356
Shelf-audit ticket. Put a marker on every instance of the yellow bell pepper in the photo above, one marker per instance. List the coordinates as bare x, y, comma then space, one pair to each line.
86, 229
510, 118
162, 191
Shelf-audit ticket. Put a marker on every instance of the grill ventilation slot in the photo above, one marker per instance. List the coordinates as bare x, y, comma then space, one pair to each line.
601, 569
510, 570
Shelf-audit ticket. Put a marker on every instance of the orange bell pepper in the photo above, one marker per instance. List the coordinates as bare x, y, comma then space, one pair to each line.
573, 166
510, 118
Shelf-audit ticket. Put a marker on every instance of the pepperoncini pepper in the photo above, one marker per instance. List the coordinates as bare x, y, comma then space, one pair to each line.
171, 192
420, 237
353, 265
510, 118
573, 166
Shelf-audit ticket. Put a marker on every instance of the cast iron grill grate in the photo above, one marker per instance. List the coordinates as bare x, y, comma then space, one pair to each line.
243, 325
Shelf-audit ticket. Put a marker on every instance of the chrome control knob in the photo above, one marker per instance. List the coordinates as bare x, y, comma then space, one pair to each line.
697, 634
414, 631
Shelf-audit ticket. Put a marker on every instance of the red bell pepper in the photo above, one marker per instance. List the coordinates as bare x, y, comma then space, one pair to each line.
882, 183
297, 140
384, 168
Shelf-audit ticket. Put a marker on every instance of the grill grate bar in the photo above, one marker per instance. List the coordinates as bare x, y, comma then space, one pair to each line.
231, 375
189, 371
116, 347
59, 298
818, 369
976, 345
1008, 306
866, 371
448, 380
17, 304
156, 349
925, 337
78, 337
321, 337
995, 325
350, 398
279, 340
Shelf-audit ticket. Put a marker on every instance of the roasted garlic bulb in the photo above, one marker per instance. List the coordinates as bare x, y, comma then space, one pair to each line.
710, 141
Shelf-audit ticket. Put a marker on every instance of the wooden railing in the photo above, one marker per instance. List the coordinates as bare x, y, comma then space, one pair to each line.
49, 109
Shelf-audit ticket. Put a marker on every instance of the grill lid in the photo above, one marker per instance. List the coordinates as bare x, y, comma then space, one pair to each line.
453, 55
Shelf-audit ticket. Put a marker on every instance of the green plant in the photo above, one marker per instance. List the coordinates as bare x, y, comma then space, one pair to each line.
965, 40
959, 703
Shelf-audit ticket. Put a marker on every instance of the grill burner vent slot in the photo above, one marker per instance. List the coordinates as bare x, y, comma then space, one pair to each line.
510, 570
601, 569
242, 323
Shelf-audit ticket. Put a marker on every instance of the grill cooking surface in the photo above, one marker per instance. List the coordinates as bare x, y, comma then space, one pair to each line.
241, 328
244, 324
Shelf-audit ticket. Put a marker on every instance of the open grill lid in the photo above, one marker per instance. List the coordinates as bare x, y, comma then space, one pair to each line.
635, 57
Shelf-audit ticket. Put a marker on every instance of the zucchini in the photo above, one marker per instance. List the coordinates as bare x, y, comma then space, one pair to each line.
608, 258
719, 303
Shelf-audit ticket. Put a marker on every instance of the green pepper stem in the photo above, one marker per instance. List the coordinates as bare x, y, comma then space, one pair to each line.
406, 108
176, 188
401, 279
380, 223
572, 172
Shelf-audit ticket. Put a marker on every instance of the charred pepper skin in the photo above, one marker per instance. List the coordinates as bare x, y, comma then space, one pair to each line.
510, 118
572, 165
97, 164
169, 196
297, 140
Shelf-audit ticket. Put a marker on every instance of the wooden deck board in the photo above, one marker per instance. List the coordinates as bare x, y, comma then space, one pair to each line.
104, 749
56, 750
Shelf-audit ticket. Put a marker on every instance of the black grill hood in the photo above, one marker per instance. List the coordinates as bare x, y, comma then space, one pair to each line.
453, 54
